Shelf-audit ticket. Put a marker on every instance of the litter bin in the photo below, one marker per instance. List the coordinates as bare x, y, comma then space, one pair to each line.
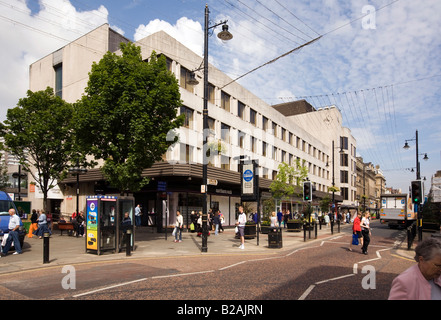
275, 237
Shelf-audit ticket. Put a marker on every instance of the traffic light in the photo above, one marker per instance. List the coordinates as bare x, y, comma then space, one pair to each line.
307, 191
417, 192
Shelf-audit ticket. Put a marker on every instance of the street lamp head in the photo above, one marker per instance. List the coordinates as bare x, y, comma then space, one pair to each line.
425, 157
225, 35
192, 81
406, 145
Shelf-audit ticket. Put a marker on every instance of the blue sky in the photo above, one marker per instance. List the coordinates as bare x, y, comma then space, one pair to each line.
382, 70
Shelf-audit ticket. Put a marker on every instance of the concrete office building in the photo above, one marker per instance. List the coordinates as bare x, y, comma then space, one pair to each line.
240, 123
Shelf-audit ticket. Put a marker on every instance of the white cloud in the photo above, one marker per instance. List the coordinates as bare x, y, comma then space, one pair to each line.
32, 36
186, 31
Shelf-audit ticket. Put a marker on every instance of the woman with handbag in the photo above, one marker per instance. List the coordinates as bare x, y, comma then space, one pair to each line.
356, 231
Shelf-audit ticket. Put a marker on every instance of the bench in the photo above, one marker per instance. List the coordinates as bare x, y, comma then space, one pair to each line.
62, 226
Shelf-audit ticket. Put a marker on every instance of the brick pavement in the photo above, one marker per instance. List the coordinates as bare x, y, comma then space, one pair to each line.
65, 250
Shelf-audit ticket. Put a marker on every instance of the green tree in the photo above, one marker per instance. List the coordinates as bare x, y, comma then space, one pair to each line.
4, 178
38, 132
128, 109
283, 187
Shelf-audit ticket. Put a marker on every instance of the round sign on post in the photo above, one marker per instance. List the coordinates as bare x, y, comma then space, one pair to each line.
248, 175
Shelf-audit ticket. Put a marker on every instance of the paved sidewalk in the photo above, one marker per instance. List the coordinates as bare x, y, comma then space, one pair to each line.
65, 250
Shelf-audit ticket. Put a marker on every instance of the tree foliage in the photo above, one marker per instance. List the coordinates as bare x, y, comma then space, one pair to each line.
38, 131
288, 177
128, 108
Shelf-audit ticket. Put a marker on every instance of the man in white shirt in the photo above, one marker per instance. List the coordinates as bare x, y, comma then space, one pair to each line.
14, 225
241, 226
138, 215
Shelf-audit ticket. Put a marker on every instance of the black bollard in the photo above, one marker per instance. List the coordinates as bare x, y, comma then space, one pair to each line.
304, 232
46, 247
315, 232
128, 242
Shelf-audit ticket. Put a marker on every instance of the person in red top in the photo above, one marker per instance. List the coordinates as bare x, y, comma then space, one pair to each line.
356, 229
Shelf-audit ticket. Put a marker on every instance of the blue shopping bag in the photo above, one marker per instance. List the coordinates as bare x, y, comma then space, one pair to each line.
355, 239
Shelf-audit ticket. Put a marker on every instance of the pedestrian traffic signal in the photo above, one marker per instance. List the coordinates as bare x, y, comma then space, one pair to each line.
416, 191
307, 191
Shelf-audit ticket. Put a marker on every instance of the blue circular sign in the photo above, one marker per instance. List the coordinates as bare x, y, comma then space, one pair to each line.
248, 175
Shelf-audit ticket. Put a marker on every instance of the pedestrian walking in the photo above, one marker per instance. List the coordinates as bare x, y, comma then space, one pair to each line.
34, 223
222, 221
42, 225
366, 232
241, 221
13, 226
285, 219
422, 281
216, 221
356, 231
126, 224
138, 215
279, 217
178, 226
273, 219
326, 220
80, 221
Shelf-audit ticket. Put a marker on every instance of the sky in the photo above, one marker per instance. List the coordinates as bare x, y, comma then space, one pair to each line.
378, 61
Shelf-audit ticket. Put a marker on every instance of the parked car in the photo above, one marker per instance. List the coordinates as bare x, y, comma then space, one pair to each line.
6, 203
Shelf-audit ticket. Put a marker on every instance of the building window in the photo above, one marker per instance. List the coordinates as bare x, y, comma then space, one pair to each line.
344, 143
265, 173
274, 126
225, 132
253, 144
240, 110
185, 76
344, 177
211, 91
344, 193
59, 80
186, 153
225, 101
225, 162
344, 160
188, 121
264, 123
241, 139
211, 124
274, 153
264, 148
253, 115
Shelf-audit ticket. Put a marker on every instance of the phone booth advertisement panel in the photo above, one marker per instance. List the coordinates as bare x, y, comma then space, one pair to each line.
91, 224
104, 217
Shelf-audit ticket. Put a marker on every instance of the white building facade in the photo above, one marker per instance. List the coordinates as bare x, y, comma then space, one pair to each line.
240, 122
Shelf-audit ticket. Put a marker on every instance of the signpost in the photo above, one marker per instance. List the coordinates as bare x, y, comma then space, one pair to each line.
249, 186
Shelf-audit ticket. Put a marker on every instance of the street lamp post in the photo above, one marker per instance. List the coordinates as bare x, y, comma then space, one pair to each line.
19, 175
333, 177
418, 177
77, 170
223, 35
